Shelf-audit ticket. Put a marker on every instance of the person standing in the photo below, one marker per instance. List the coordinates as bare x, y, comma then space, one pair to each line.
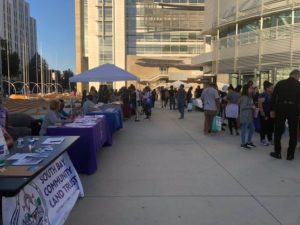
167, 97
181, 96
172, 98
198, 92
175, 94
232, 110
210, 98
247, 109
189, 97
94, 93
147, 102
267, 123
132, 97
103, 95
84, 97
154, 96
285, 105
162, 96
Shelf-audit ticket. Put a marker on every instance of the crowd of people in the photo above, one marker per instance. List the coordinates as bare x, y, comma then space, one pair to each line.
248, 110
243, 107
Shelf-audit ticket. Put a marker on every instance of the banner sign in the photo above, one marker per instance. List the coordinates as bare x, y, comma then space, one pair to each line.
48, 199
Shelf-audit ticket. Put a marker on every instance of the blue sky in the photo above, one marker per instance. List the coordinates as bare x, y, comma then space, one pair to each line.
56, 31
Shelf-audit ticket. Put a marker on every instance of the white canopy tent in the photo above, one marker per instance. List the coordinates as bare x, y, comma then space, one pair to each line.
104, 73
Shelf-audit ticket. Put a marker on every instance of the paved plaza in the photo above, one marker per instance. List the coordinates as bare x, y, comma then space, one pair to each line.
166, 172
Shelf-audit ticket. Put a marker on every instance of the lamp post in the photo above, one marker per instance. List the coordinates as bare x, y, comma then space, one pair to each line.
1, 75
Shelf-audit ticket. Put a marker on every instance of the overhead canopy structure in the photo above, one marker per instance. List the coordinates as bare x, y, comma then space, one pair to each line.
177, 84
104, 73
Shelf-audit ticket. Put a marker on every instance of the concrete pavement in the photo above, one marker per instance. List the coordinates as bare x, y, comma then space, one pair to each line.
165, 172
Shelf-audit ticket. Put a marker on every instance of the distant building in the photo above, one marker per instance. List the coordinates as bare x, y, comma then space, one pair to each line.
252, 39
153, 39
18, 27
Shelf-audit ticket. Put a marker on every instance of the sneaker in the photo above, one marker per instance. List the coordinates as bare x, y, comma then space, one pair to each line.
264, 143
251, 145
246, 147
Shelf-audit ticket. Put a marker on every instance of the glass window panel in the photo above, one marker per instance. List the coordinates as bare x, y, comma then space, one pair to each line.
297, 16
279, 19
249, 26
108, 12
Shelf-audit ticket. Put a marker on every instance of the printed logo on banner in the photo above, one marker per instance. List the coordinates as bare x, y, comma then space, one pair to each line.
48, 199
32, 205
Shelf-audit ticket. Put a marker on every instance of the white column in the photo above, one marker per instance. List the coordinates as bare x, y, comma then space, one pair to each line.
119, 33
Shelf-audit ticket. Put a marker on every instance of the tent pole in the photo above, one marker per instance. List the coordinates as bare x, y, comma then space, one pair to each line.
71, 102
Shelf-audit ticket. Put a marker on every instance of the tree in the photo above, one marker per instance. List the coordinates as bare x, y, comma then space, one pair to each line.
35, 69
66, 75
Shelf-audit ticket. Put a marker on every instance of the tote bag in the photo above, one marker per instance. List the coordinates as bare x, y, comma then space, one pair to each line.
217, 124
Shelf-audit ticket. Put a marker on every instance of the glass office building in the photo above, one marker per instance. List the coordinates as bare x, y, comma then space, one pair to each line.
253, 40
154, 39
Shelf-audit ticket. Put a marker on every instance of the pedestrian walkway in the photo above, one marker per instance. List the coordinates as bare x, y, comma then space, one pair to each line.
166, 172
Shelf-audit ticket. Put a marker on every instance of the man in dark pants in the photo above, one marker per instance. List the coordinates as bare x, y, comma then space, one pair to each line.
285, 105
181, 96
172, 98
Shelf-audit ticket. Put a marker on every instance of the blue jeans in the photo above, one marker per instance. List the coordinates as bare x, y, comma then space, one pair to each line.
247, 130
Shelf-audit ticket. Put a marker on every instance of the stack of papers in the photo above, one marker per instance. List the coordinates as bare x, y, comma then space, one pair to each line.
53, 141
28, 159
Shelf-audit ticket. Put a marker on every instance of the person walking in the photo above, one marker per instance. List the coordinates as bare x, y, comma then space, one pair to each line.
232, 110
267, 123
210, 98
285, 105
181, 96
172, 98
247, 109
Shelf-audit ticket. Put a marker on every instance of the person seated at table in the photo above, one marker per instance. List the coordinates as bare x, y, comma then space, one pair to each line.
3, 114
8, 138
62, 113
88, 105
52, 116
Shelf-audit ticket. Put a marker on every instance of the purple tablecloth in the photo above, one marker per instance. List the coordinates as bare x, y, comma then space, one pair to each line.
92, 139
113, 117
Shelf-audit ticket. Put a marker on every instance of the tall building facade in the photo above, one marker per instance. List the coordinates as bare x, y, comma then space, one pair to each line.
18, 28
252, 40
153, 39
